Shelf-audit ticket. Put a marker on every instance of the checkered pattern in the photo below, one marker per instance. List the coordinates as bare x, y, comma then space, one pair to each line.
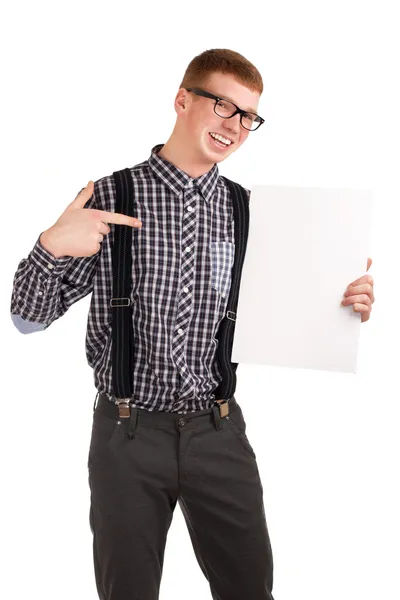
182, 258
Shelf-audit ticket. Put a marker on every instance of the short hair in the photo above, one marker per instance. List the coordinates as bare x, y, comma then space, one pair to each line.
222, 60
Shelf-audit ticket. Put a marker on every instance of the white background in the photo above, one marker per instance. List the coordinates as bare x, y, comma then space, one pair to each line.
88, 89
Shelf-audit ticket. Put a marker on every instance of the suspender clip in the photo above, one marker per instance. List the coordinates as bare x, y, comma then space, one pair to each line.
223, 407
124, 409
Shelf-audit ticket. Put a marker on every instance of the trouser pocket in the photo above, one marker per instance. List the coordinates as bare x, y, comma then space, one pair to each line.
237, 425
106, 432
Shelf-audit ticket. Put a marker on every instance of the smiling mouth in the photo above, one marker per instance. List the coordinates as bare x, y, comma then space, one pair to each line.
218, 143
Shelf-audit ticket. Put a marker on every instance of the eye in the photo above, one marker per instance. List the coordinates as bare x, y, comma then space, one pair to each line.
249, 117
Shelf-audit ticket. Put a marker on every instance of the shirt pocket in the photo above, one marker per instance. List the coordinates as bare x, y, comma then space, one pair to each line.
222, 258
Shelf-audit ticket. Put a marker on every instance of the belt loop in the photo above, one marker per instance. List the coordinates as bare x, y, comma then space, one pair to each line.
132, 423
95, 401
217, 418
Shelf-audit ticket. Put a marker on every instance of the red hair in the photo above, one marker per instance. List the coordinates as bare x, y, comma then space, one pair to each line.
225, 61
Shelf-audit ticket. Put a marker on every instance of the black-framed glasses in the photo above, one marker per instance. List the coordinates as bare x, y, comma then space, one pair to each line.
227, 109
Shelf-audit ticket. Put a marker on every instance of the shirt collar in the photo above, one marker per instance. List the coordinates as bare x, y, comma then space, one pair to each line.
177, 180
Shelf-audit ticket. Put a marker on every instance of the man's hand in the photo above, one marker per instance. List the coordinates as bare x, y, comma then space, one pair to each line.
360, 293
79, 231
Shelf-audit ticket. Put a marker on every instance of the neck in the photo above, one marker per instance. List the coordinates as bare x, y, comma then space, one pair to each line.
185, 157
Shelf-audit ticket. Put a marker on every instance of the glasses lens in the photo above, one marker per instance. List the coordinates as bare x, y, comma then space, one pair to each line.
225, 109
249, 121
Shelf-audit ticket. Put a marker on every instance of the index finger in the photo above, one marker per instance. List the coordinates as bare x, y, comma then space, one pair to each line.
117, 218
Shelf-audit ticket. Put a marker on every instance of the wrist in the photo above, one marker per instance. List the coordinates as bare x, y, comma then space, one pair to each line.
48, 240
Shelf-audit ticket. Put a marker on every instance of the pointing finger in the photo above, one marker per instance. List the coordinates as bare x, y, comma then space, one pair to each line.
117, 218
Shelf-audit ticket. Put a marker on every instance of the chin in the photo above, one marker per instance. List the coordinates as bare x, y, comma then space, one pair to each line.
214, 156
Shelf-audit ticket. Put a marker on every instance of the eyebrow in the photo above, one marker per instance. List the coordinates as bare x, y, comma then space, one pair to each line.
253, 110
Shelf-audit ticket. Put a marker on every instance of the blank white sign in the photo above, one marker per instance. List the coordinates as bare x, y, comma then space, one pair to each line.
305, 246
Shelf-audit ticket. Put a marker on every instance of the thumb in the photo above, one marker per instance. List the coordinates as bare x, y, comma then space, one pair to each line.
369, 263
83, 196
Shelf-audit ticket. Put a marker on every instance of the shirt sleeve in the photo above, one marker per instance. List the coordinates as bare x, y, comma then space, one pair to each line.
44, 287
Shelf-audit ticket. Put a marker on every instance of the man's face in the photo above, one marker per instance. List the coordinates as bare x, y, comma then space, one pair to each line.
199, 118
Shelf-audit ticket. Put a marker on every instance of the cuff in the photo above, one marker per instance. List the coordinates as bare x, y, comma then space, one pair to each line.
45, 262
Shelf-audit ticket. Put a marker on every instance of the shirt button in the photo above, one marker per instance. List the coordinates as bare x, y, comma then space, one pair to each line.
185, 289
180, 330
187, 249
49, 266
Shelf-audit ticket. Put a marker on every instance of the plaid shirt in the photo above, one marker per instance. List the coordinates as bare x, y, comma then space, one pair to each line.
182, 258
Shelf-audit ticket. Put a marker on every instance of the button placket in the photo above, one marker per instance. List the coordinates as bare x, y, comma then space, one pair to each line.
187, 275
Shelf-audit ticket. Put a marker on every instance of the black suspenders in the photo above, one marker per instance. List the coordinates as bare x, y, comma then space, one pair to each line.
122, 330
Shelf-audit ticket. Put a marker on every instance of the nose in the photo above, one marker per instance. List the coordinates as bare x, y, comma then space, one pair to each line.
233, 124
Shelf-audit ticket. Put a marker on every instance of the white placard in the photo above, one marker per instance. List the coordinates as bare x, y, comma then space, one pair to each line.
305, 246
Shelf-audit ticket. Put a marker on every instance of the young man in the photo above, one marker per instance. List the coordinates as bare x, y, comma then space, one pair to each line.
183, 250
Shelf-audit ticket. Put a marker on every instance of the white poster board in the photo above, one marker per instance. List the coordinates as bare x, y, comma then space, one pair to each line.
305, 246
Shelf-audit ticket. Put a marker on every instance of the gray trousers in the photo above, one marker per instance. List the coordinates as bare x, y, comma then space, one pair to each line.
203, 461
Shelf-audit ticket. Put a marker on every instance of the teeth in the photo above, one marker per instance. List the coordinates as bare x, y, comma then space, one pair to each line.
220, 138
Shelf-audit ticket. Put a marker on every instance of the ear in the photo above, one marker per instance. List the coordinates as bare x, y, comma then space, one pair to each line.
180, 101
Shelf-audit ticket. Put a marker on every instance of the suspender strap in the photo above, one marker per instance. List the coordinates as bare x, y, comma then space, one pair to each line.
226, 330
122, 332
